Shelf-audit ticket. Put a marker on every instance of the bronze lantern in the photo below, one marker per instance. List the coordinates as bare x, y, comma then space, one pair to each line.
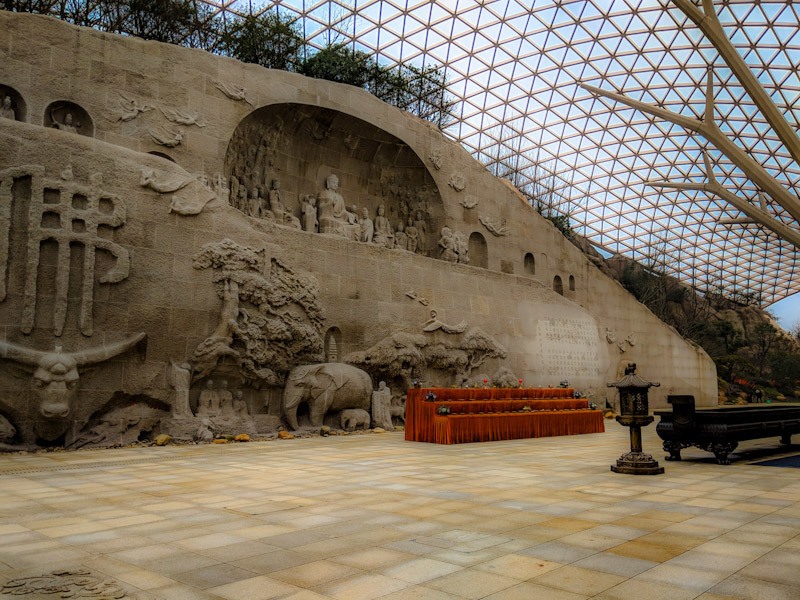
635, 414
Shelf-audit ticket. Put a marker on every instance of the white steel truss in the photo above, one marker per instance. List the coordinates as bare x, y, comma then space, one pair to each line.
515, 67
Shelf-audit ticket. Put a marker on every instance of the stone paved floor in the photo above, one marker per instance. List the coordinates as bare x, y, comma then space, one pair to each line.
373, 516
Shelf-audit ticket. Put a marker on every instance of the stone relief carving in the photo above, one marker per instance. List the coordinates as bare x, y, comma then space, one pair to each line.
351, 419
453, 246
129, 109
63, 212
351, 141
436, 159
317, 130
7, 431
76, 583
234, 92
382, 407
183, 117
277, 205
309, 212
462, 247
458, 182
270, 320
190, 192
447, 245
67, 123
412, 236
179, 377
505, 378
413, 295
397, 409
120, 426
622, 346
434, 324
325, 387
403, 357
496, 227
367, 227
69, 117
469, 203
165, 137
384, 236
55, 377
205, 431
7, 109
333, 214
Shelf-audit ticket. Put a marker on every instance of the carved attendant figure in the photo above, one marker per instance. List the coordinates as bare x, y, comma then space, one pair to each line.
7, 112
448, 246
239, 405
367, 227
422, 233
225, 400
66, 125
400, 237
383, 229
381, 407
309, 210
241, 200
276, 200
208, 403
462, 247
413, 235
254, 204
180, 378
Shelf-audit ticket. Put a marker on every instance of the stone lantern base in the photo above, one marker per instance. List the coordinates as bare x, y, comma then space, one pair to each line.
637, 463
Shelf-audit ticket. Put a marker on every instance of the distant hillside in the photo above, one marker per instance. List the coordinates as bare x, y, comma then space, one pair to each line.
749, 347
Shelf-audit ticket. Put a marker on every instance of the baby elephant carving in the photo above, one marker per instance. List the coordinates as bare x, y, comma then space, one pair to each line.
351, 419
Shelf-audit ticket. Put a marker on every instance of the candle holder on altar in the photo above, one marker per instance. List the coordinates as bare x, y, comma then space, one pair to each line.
635, 414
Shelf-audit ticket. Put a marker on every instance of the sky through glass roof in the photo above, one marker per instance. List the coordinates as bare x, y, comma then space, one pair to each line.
515, 65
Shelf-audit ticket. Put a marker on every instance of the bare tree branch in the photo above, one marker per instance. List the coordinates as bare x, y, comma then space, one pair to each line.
711, 132
712, 186
707, 21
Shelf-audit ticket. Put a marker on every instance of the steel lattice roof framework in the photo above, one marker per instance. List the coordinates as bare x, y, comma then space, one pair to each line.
514, 66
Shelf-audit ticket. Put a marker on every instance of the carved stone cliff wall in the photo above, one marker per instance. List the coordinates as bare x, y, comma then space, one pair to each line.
182, 230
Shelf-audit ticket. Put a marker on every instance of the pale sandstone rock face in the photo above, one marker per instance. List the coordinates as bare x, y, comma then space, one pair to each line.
160, 219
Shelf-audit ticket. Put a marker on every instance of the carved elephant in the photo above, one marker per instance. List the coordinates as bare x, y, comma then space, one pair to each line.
325, 387
351, 419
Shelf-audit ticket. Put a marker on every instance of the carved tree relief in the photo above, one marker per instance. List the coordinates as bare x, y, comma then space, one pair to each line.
271, 318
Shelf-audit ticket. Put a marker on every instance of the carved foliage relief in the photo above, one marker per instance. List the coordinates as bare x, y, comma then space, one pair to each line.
271, 318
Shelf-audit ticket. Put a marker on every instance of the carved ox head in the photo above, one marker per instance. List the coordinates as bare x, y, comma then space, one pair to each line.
56, 374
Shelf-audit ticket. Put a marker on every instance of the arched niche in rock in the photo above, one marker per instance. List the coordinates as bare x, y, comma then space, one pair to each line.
68, 116
18, 104
530, 264
558, 285
301, 145
571, 283
333, 344
478, 251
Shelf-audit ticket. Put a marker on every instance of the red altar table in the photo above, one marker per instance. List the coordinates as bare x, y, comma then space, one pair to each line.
483, 415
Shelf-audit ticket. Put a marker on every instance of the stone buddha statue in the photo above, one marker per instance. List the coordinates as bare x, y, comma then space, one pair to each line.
333, 214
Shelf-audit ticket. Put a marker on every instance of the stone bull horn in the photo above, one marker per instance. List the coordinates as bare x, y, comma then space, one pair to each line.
35, 358
95, 355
